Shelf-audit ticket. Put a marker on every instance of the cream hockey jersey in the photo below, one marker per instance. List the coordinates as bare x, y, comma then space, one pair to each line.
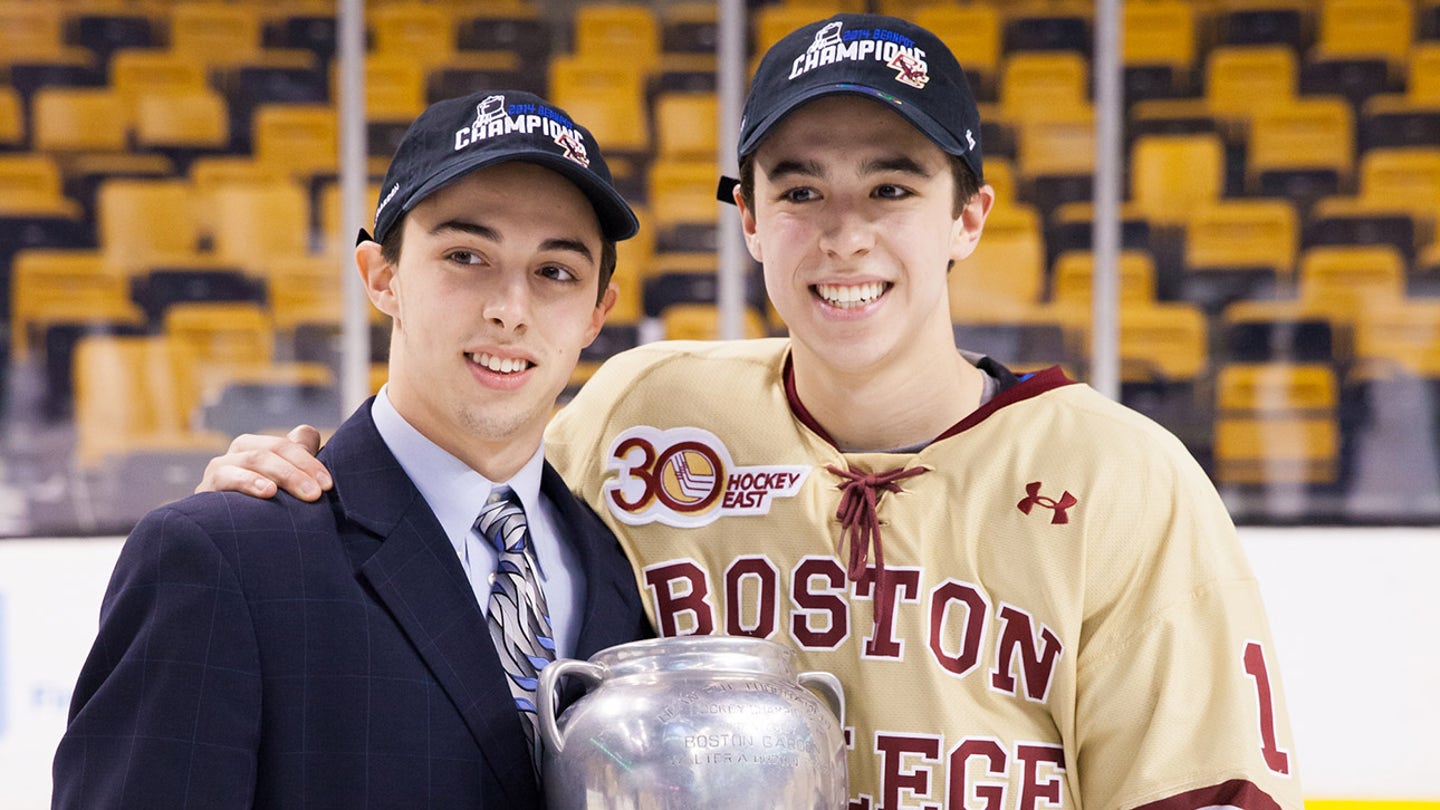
1066, 618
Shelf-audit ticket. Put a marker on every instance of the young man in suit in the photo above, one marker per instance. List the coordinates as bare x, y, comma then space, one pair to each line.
360, 650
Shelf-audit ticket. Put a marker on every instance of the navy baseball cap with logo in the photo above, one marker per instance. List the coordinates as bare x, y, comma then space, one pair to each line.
454, 137
890, 60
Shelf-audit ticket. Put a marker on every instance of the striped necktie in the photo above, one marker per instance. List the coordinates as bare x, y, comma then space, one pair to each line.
519, 619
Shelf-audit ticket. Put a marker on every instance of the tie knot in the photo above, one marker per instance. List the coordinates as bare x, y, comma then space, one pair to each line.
502, 522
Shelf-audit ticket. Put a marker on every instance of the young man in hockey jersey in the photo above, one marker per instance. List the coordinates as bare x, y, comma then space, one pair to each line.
1033, 596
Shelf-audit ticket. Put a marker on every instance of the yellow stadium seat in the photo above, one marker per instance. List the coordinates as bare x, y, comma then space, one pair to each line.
255, 224
1007, 269
1000, 175
190, 120
334, 239
1399, 336
1243, 234
143, 223
682, 192
1074, 277
1351, 29
424, 32
1171, 174
222, 335
973, 32
635, 259
305, 290
394, 87
1423, 83
1039, 84
609, 97
1241, 80
301, 139
31, 183
70, 119
65, 286
35, 32
1276, 424
216, 34
1313, 134
1163, 342
603, 30
1060, 145
1160, 33
1406, 179
128, 397
702, 322
138, 72
1360, 273
12, 118
686, 125
772, 22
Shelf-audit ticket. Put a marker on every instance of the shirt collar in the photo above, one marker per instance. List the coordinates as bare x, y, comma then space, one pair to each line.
454, 492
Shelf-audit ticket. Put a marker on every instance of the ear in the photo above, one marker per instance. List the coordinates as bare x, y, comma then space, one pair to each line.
601, 311
379, 277
965, 234
747, 224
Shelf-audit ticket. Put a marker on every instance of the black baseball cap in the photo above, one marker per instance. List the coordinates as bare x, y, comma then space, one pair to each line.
452, 138
887, 59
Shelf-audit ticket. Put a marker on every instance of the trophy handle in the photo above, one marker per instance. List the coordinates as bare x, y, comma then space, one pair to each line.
828, 687
545, 695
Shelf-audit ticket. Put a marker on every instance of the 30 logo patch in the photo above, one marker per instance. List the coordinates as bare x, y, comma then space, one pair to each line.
684, 477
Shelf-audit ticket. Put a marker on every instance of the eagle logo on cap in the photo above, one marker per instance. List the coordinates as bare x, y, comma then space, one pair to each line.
910, 70
574, 147
491, 108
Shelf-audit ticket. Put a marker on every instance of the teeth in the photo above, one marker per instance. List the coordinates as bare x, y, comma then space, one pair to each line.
505, 365
853, 295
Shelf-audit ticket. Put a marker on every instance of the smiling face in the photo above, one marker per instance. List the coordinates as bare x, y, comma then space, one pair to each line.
492, 300
854, 221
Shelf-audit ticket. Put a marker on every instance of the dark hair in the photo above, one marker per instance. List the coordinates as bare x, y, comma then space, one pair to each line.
966, 183
391, 244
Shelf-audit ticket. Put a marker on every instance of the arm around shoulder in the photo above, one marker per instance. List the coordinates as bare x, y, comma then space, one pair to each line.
166, 712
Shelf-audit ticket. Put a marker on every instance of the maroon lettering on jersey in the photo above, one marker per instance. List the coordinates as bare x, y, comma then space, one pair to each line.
896, 752
1275, 759
946, 600
991, 758
679, 588
1037, 666
1034, 788
767, 592
896, 585
821, 620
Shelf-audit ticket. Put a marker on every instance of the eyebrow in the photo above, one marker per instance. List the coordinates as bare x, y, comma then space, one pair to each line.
810, 168
487, 232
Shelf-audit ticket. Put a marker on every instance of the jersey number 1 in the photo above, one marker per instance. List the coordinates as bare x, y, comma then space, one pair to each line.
1277, 760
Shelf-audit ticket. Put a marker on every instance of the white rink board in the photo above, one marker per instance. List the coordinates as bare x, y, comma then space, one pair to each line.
1354, 613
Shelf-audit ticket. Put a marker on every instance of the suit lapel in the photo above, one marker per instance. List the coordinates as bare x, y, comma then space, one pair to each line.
610, 589
417, 576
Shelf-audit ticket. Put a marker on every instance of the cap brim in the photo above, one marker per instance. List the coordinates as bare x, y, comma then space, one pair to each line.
617, 221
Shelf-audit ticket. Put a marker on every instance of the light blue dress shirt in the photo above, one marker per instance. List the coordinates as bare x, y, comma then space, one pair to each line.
456, 493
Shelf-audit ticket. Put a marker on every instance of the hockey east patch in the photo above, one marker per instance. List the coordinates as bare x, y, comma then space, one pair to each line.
684, 477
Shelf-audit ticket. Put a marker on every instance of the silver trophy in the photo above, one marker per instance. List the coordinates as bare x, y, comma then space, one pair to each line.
693, 722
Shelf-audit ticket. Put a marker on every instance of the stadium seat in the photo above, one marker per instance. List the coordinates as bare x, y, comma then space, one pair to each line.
1243, 80
1399, 337
64, 286
1164, 343
1048, 27
1362, 29
182, 125
1284, 330
147, 223
682, 202
1405, 179
79, 120
135, 73
702, 322
1277, 423
609, 97
12, 119
35, 32
1043, 85
298, 138
215, 34
1056, 158
1354, 220
1006, 271
520, 29
255, 224
602, 30
394, 88
222, 336
686, 125
973, 32
1361, 274
1171, 174
1159, 48
423, 32
1239, 248
31, 183
1265, 22
1074, 278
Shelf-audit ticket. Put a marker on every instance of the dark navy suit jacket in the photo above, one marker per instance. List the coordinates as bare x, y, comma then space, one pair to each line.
274, 653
